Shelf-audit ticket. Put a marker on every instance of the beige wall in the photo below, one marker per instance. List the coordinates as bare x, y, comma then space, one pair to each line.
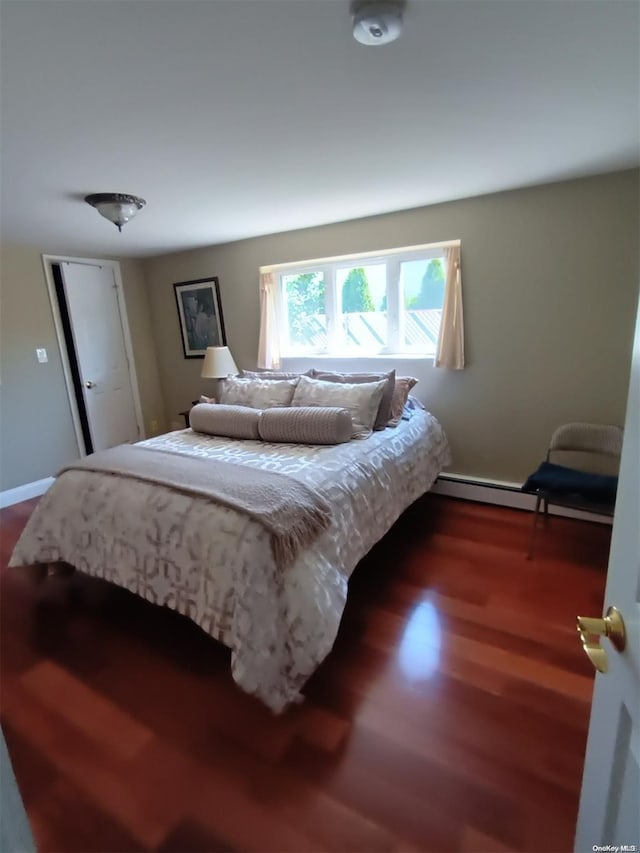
143, 343
550, 280
36, 429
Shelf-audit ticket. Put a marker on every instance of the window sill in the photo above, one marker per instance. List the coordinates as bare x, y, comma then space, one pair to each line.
401, 356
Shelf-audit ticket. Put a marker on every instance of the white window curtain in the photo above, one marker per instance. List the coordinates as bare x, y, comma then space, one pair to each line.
450, 352
269, 341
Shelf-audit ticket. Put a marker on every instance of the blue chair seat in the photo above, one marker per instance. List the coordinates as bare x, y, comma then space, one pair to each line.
572, 486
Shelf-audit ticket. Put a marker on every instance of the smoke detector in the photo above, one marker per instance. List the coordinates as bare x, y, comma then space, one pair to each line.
377, 23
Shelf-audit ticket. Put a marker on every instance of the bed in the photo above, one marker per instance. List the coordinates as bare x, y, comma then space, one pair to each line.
214, 564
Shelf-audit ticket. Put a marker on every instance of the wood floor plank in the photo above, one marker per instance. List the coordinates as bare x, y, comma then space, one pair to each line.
451, 715
474, 841
479, 747
30, 766
191, 837
84, 761
93, 829
86, 709
218, 799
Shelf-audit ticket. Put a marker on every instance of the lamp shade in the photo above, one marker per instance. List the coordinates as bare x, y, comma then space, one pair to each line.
218, 363
118, 208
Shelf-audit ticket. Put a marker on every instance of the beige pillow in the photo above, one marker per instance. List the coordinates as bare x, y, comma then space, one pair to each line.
257, 393
361, 399
404, 384
230, 421
384, 409
298, 425
272, 374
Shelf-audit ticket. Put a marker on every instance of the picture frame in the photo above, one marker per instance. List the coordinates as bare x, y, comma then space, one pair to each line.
200, 315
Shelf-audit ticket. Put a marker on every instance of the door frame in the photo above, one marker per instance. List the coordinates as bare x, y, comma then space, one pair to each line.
47, 262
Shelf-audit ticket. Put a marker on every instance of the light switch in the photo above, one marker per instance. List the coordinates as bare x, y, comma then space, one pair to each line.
42, 356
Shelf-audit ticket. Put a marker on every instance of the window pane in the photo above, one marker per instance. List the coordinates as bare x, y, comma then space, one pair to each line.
305, 311
422, 287
362, 305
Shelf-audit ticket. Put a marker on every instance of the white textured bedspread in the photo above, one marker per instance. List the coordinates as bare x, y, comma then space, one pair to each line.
216, 566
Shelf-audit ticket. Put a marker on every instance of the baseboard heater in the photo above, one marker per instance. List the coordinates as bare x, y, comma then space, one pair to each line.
502, 493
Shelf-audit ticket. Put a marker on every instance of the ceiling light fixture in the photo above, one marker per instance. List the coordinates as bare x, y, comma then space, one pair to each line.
118, 208
377, 23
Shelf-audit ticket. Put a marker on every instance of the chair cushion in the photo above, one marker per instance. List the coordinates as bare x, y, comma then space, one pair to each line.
568, 482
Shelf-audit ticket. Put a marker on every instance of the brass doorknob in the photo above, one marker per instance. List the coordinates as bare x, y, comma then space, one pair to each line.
89, 384
590, 631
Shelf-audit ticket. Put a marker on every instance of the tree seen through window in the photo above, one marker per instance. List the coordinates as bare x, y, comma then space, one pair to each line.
305, 295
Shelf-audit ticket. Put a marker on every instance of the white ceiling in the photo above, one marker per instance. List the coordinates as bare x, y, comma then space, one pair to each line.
235, 118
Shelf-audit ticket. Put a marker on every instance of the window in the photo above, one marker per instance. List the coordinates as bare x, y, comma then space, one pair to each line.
367, 305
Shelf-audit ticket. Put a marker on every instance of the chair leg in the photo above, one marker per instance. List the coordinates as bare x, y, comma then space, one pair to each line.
533, 529
546, 512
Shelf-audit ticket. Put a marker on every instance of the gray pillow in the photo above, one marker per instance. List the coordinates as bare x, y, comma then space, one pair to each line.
230, 421
272, 374
257, 393
404, 384
317, 425
362, 399
384, 410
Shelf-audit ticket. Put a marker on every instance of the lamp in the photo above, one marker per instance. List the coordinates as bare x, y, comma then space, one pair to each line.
218, 363
377, 22
118, 208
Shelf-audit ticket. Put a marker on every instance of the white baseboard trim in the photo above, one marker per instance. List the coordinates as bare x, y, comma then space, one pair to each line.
497, 492
25, 493
502, 493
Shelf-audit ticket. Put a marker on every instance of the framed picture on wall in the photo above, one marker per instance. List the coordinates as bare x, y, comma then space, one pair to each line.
200, 315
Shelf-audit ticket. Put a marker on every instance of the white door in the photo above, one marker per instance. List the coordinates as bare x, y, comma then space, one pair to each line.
610, 801
96, 326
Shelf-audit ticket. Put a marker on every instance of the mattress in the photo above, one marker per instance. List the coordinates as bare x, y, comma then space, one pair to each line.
215, 565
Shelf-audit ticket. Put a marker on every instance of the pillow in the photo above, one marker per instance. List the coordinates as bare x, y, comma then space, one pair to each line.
272, 374
298, 425
404, 384
230, 421
205, 399
384, 410
411, 406
361, 399
257, 393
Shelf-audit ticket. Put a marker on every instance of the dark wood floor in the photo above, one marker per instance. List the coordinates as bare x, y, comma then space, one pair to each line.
451, 715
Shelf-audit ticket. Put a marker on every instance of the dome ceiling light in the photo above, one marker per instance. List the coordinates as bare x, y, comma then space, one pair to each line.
118, 208
377, 23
